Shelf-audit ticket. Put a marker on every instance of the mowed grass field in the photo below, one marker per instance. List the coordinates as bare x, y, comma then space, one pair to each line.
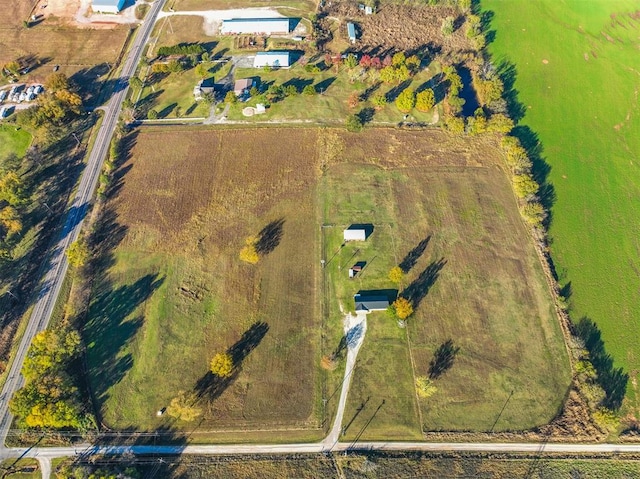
578, 78
175, 292
13, 141
55, 42
442, 209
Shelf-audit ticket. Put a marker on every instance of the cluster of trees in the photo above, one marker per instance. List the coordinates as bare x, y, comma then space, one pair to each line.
524, 184
249, 253
59, 102
474, 31
13, 197
182, 49
408, 99
11, 68
49, 399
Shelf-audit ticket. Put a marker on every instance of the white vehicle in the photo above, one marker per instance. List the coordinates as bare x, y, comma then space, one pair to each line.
31, 96
3, 112
13, 90
30, 90
3, 94
23, 97
37, 89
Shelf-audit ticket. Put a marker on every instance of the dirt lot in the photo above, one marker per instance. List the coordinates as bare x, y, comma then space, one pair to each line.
54, 41
398, 28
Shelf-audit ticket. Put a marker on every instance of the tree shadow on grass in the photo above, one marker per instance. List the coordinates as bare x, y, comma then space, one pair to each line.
410, 260
269, 237
420, 287
210, 386
443, 359
110, 328
612, 380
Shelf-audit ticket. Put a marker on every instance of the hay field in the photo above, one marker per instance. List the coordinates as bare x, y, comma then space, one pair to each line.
443, 210
576, 74
174, 291
186, 212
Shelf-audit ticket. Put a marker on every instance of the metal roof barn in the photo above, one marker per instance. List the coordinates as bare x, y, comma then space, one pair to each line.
255, 25
271, 59
107, 6
355, 234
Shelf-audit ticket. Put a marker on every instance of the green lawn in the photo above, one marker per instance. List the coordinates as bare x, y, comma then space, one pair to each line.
173, 96
578, 79
13, 140
330, 104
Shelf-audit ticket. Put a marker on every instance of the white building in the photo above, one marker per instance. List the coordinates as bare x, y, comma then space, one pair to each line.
355, 234
107, 6
272, 59
255, 25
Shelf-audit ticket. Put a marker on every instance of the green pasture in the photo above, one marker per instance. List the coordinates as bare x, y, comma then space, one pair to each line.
577, 77
13, 140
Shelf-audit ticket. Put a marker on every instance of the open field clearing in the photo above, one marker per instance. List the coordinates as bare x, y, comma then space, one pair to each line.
54, 42
193, 207
475, 279
13, 141
174, 291
578, 81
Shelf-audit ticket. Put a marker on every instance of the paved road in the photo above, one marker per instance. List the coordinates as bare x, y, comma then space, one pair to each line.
57, 266
311, 448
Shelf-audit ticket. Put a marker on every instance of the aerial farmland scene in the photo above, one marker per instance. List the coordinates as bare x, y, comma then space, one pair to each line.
319, 239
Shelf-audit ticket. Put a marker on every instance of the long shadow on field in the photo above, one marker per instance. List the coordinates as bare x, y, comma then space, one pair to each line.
110, 327
411, 258
420, 287
612, 380
211, 386
508, 74
443, 359
269, 237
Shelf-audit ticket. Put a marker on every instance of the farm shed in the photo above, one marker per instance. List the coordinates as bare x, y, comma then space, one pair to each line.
371, 302
107, 6
271, 59
255, 25
351, 32
357, 232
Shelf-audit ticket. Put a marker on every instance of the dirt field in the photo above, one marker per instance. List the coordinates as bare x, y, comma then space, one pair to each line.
175, 291
55, 42
193, 206
397, 27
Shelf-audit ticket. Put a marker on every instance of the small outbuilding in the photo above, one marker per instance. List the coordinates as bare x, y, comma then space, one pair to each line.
351, 32
107, 6
256, 26
371, 302
275, 59
358, 232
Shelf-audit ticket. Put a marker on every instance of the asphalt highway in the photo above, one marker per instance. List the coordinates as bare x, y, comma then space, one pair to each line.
57, 261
